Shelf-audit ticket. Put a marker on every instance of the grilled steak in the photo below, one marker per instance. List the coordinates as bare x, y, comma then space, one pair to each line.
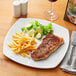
49, 44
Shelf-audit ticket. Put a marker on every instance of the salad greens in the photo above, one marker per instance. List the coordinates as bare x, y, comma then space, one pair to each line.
24, 29
37, 29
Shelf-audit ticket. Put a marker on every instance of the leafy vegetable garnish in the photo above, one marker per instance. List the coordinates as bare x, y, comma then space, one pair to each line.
29, 27
51, 31
37, 23
37, 29
24, 29
49, 26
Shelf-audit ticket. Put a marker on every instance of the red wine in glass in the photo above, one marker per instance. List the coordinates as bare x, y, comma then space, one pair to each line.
53, 0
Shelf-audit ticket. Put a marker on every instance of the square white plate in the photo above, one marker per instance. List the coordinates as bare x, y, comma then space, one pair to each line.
52, 61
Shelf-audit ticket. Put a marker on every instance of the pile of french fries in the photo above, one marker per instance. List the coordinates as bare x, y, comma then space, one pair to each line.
22, 44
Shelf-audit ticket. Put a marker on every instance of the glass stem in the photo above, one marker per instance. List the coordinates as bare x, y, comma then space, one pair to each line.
51, 10
51, 5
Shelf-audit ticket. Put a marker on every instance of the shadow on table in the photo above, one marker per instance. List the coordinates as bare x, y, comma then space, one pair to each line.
15, 19
31, 68
71, 27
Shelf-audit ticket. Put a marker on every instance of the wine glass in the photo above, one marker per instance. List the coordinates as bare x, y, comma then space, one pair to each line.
51, 14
